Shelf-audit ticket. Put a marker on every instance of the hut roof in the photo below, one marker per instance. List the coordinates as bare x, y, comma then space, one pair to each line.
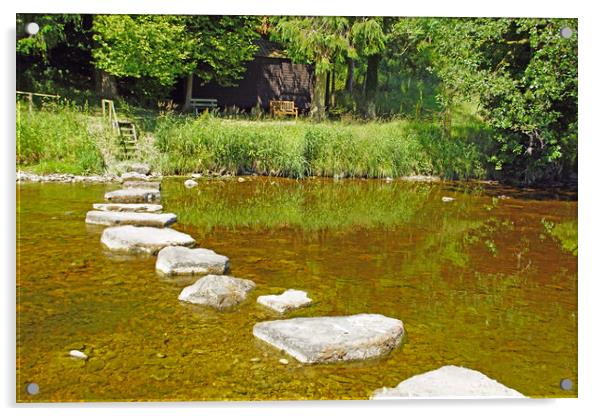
269, 49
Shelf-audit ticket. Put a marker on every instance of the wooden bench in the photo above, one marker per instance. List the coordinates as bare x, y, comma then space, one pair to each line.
202, 104
283, 108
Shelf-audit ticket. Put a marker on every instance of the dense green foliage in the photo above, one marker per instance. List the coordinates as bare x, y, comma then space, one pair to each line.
524, 74
518, 77
167, 47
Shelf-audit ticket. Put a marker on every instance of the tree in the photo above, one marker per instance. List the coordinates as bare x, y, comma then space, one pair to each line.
368, 39
524, 74
221, 46
165, 48
315, 40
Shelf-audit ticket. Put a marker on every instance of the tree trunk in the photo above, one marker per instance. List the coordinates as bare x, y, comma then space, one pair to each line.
332, 89
318, 95
106, 84
350, 73
371, 86
188, 97
327, 94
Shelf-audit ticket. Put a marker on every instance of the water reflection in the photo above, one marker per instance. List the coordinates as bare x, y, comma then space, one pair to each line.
479, 282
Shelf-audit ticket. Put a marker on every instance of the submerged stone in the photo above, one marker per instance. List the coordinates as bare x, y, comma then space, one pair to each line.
219, 292
134, 195
190, 183
186, 261
154, 208
78, 354
130, 239
288, 300
143, 219
447, 381
331, 339
141, 185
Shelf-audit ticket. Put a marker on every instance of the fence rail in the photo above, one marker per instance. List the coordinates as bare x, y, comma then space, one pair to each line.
30, 96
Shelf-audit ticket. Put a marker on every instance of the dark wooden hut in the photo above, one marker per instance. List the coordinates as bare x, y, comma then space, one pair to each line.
269, 76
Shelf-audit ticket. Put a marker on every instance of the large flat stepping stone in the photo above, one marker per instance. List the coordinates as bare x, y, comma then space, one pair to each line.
133, 195
143, 219
141, 185
130, 239
334, 338
173, 261
219, 292
142, 168
447, 381
287, 301
154, 208
136, 176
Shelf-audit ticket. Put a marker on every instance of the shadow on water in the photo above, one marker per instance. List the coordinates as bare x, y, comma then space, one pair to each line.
482, 281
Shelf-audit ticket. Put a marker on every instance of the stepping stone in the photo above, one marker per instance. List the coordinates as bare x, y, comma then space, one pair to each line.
219, 292
289, 300
134, 176
142, 168
173, 261
448, 381
141, 185
130, 239
143, 219
333, 338
129, 207
133, 166
133, 195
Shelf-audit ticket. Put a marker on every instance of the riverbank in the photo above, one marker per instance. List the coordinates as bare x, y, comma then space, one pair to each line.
68, 141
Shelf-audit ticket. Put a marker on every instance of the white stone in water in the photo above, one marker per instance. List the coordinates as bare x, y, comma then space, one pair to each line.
133, 195
130, 239
141, 185
288, 300
78, 354
154, 208
143, 219
219, 292
190, 183
186, 261
448, 381
127, 176
196, 175
333, 338
447, 199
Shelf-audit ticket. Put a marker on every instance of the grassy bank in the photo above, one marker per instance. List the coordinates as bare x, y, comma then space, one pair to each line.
58, 140
70, 141
302, 148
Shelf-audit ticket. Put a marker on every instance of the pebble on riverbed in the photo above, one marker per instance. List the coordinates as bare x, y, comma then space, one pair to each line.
190, 183
78, 354
65, 178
